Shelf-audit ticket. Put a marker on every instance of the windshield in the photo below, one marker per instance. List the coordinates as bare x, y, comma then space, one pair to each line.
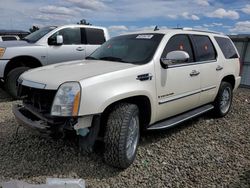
135, 48
33, 37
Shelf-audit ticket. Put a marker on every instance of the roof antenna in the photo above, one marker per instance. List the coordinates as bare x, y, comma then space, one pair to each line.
156, 28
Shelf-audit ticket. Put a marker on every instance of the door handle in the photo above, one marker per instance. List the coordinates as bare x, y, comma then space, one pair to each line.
194, 73
80, 49
218, 68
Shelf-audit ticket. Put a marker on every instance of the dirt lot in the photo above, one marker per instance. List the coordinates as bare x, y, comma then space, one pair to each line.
203, 152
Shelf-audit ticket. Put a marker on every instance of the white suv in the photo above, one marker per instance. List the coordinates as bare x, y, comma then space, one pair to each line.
140, 81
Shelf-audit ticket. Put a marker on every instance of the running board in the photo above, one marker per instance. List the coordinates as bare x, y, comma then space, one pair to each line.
170, 122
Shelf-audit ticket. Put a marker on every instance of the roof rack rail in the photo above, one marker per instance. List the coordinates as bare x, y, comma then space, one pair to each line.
198, 30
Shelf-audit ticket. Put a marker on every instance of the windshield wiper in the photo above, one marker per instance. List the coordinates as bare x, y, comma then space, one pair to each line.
91, 58
110, 58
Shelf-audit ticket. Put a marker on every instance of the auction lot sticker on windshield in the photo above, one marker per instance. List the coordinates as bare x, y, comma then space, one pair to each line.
144, 36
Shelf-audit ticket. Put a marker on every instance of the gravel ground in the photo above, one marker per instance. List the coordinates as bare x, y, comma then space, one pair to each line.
203, 152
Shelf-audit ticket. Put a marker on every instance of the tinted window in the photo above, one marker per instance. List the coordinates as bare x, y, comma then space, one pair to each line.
70, 36
8, 38
94, 36
136, 48
204, 48
226, 47
179, 42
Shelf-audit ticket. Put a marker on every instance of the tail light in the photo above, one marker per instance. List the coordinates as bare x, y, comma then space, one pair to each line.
241, 66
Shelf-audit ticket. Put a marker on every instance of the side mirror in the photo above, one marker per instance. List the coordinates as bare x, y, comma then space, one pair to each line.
174, 57
59, 39
56, 41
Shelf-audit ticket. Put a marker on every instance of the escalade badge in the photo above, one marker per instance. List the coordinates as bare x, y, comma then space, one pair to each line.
144, 77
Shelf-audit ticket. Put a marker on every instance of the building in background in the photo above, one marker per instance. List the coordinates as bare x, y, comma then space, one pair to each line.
242, 43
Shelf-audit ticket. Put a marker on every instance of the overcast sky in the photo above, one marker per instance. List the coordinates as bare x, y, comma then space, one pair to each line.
228, 16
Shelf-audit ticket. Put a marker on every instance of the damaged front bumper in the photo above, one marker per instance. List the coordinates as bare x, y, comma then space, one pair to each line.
26, 119
87, 128
27, 116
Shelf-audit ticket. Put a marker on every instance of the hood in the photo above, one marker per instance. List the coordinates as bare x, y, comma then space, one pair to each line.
52, 76
15, 43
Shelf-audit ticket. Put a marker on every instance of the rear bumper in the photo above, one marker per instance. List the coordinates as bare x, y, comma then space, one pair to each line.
237, 82
3, 63
26, 119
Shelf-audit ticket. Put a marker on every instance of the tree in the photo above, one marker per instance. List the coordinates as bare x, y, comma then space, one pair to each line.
83, 22
33, 28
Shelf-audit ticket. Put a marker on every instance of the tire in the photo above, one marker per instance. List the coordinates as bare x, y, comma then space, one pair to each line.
122, 135
223, 101
11, 80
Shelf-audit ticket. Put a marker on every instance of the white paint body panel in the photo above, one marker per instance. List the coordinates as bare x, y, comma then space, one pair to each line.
105, 82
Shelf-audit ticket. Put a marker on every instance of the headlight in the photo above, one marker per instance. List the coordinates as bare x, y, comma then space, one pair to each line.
2, 50
67, 100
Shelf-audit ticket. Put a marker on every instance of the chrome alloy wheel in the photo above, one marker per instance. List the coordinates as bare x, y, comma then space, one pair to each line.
225, 101
133, 137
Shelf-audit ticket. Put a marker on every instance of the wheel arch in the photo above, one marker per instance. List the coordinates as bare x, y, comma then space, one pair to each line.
21, 61
144, 104
230, 79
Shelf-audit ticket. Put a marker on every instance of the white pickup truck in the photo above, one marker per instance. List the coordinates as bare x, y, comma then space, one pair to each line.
47, 46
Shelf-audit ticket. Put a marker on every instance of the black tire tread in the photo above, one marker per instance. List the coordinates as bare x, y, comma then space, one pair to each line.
13, 75
116, 133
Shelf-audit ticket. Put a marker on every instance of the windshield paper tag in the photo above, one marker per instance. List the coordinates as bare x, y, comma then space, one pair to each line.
144, 36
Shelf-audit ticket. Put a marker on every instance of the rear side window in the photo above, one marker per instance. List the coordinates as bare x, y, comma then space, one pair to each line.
179, 42
226, 47
204, 48
94, 36
8, 38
